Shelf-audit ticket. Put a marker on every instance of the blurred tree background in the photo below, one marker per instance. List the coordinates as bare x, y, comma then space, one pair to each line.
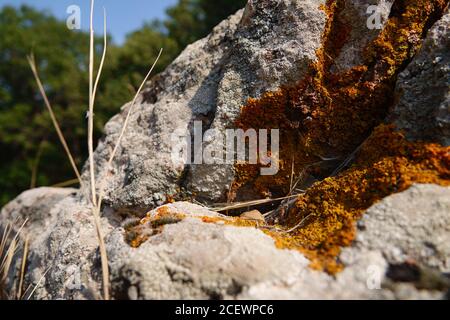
30, 152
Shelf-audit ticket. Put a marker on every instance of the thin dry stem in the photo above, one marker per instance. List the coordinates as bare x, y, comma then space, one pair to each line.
7, 257
92, 93
32, 64
38, 283
291, 185
65, 183
298, 225
125, 124
102, 61
5, 237
91, 106
103, 253
239, 205
22, 268
9, 249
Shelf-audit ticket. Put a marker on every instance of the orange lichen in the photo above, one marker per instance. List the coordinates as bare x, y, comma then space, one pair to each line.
150, 225
231, 221
328, 115
387, 163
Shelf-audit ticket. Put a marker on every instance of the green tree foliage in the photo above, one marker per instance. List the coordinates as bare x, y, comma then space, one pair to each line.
30, 152
25, 127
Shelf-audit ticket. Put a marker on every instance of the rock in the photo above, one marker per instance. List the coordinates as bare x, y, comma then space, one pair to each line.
423, 108
365, 19
269, 44
400, 229
183, 250
196, 260
254, 215
184, 92
35, 206
63, 259
408, 230
411, 226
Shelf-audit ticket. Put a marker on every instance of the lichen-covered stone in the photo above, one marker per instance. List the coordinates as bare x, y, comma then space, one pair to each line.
423, 89
270, 44
364, 28
405, 230
285, 64
192, 259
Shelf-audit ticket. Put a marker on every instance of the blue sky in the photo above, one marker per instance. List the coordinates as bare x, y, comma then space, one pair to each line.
124, 16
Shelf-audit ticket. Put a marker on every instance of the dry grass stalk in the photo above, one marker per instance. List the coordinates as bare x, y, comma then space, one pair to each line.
65, 183
22, 268
33, 67
91, 105
3, 246
5, 236
7, 250
92, 93
96, 201
125, 124
252, 203
8, 259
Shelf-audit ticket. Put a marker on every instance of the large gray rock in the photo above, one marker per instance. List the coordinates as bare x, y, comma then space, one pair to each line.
196, 260
413, 225
402, 251
269, 44
35, 206
423, 108
405, 232
63, 251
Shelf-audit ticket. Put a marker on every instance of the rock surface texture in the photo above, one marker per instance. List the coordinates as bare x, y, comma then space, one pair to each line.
423, 109
183, 250
271, 44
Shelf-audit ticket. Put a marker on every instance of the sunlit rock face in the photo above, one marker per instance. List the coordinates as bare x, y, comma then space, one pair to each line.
375, 227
